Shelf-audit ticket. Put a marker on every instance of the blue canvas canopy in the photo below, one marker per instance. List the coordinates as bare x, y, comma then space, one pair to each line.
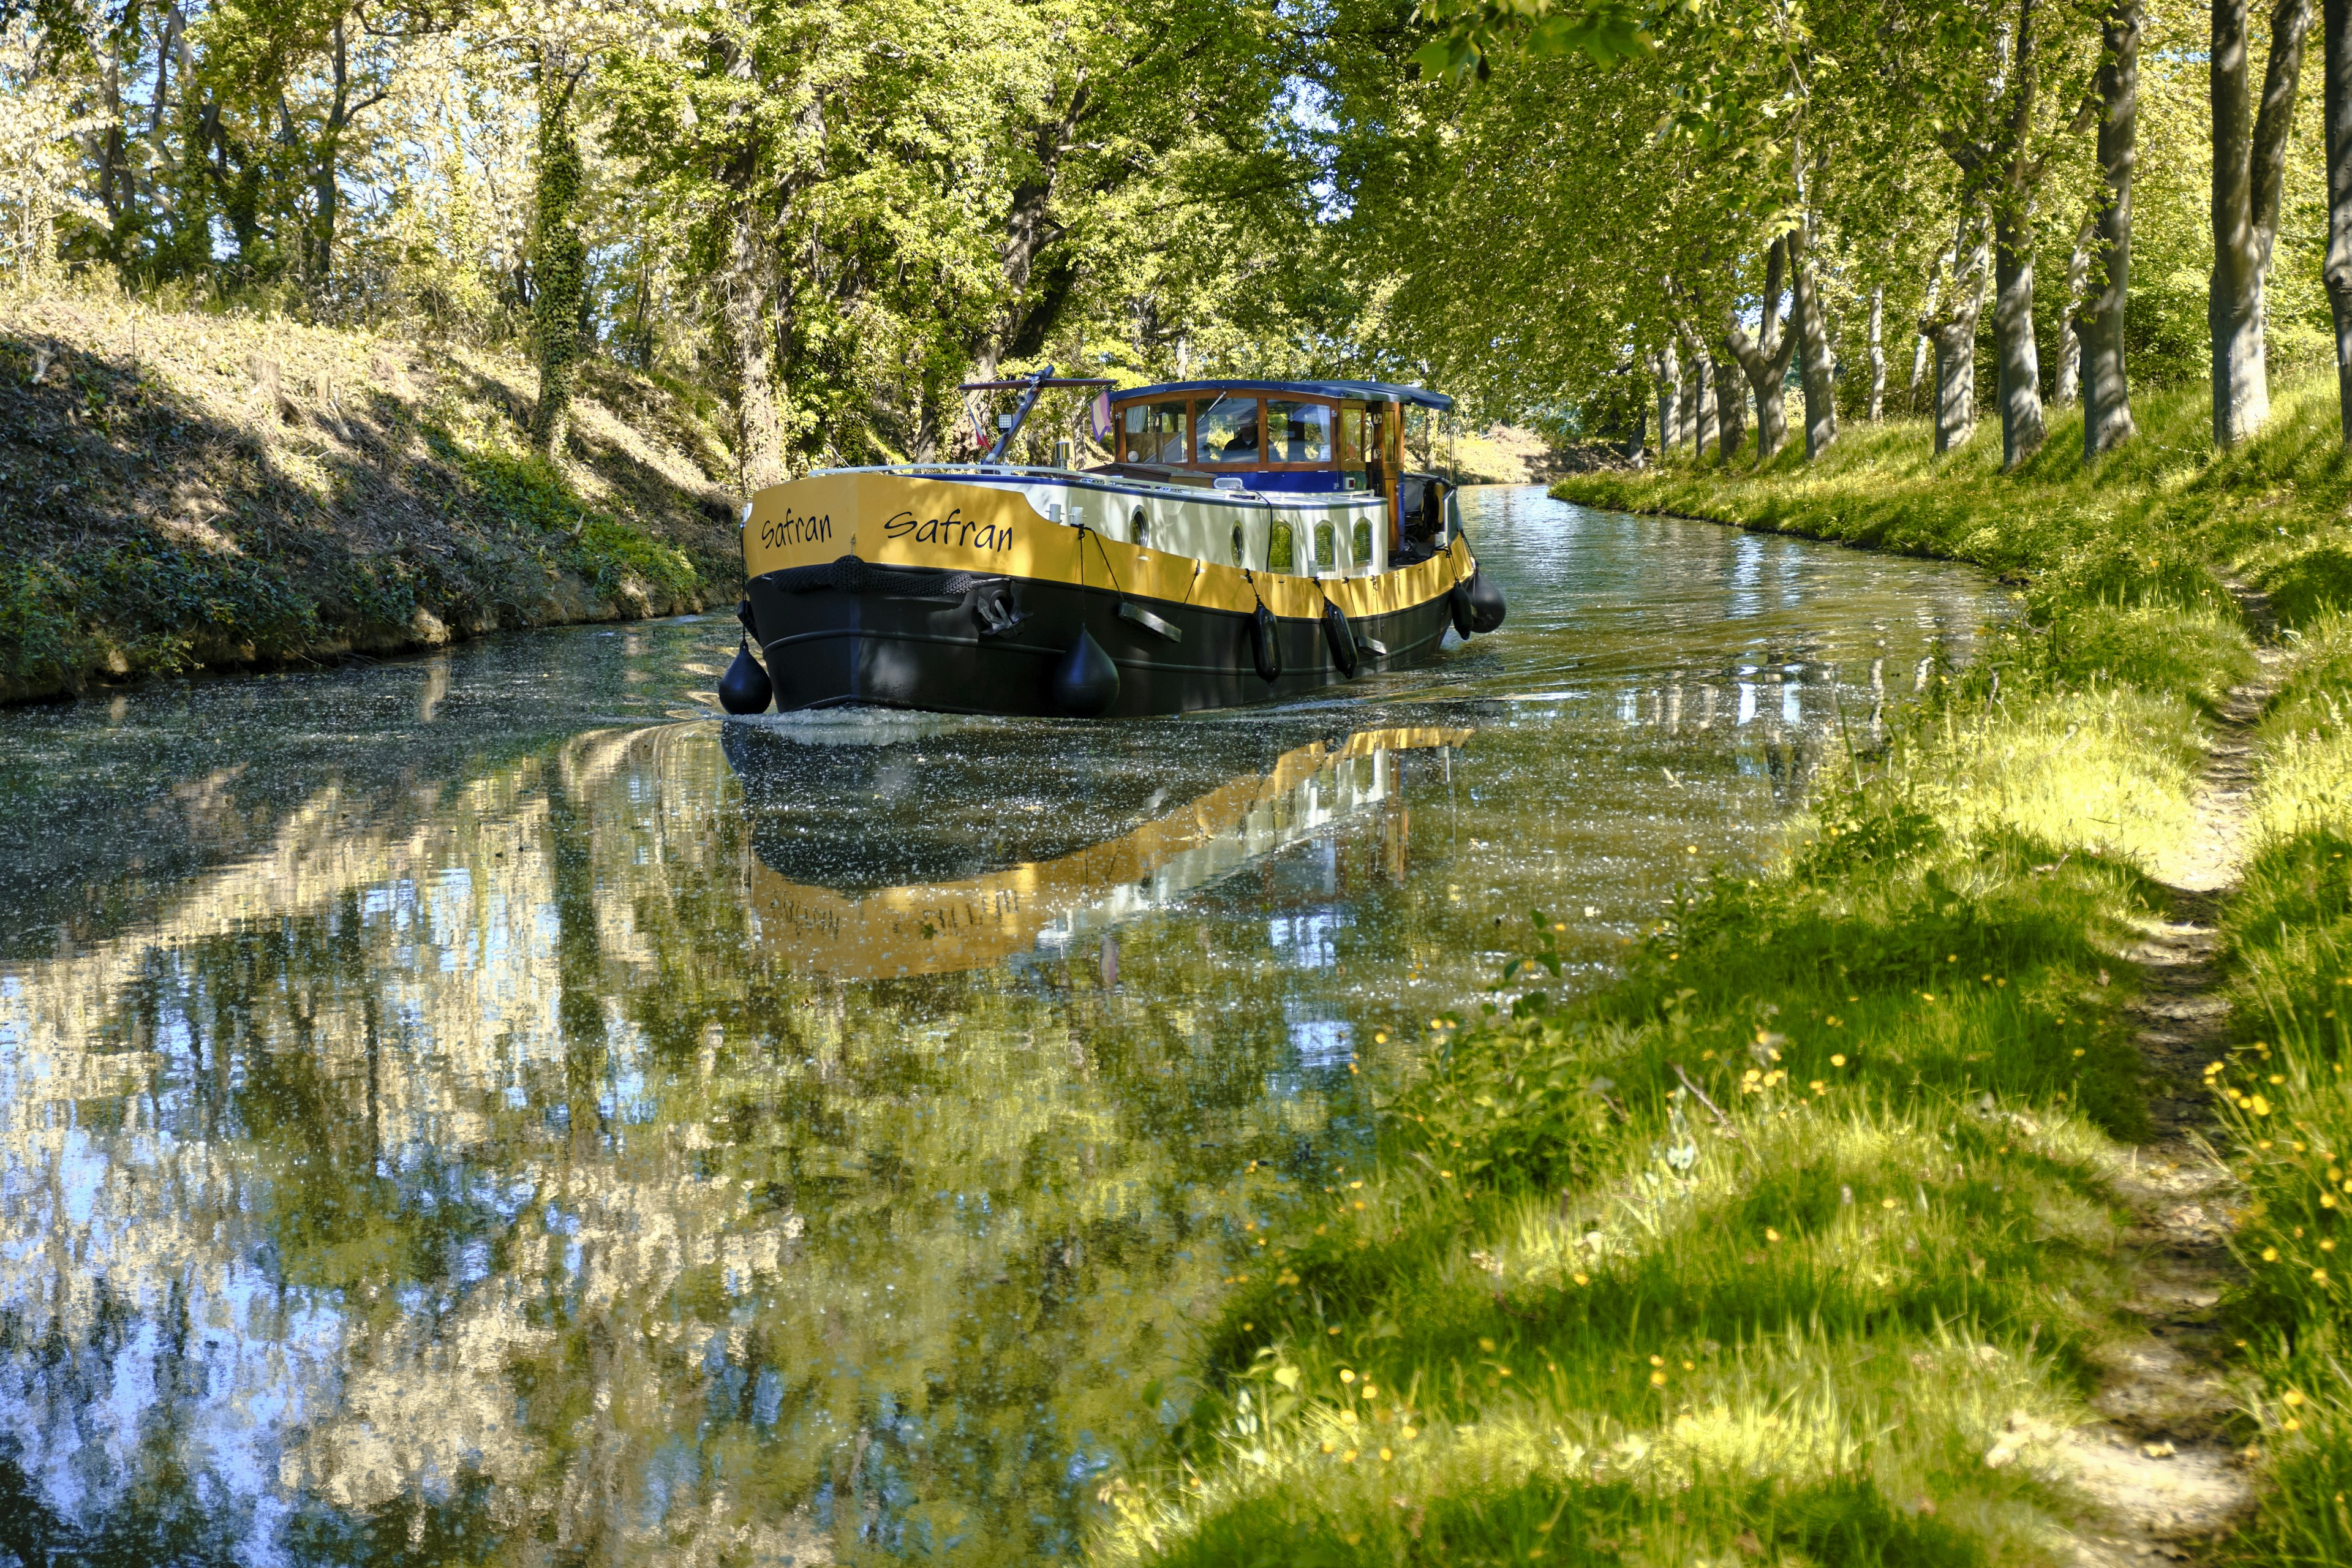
1371, 391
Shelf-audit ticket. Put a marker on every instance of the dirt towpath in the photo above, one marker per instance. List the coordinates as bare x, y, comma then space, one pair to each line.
2159, 1467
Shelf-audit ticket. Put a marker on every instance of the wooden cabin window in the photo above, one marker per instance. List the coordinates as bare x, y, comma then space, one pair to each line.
1229, 431
1154, 433
1348, 437
1280, 554
1301, 431
1323, 546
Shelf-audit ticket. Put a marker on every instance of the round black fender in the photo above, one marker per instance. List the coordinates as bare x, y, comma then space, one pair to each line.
1457, 605
1486, 606
1342, 638
745, 687
1085, 682
1265, 645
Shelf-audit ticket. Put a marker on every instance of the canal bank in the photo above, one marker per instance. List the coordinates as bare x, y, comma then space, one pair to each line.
182, 491
1736, 1228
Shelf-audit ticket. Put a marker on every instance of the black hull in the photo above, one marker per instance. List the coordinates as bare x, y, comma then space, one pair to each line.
921, 643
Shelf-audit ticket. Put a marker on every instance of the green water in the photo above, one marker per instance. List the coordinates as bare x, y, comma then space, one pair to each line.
483, 1109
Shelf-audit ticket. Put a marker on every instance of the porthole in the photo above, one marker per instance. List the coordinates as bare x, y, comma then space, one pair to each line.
1279, 552
1140, 525
1238, 560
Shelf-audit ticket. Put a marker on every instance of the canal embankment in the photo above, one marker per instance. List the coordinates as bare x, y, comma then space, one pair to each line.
1963, 1188
184, 489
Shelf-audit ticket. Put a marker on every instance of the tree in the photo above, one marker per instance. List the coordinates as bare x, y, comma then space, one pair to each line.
2336, 95
2249, 169
2106, 393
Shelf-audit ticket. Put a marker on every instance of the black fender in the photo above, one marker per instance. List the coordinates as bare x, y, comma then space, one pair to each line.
1265, 645
1341, 637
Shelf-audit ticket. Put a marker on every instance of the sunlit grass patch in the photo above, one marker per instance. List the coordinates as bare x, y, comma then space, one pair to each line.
2174, 508
2286, 1099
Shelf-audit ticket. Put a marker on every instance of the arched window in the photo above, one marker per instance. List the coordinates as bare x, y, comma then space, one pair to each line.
1280, 553
1361, 544
1324, 543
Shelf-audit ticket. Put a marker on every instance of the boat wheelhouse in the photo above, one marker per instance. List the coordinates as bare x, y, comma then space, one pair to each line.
1248, 541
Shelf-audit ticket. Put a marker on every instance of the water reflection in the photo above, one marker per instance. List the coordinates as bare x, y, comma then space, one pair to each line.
1041, 908
480, 1110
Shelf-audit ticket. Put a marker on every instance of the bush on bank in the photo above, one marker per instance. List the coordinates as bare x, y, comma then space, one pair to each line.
1800, 1241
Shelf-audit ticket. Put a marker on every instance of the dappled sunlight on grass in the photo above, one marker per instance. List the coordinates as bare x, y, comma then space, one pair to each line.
2272, 510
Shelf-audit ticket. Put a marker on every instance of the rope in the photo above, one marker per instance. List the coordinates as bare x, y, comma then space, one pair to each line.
1111, 570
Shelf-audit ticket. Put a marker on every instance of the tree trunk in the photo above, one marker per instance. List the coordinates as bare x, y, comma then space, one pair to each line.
560, 261
2249, 169
1877, 354
1816, 358
2106, 395
2015, 348
1669, 371
1919, 348
2337, 47
2070, 336
1705, 432
1764, 358
1953, 336
743, 308
1730, 412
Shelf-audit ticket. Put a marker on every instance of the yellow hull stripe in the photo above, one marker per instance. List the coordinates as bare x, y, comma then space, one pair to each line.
902, 519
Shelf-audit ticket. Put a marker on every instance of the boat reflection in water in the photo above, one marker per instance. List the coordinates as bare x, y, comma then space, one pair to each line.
958, 903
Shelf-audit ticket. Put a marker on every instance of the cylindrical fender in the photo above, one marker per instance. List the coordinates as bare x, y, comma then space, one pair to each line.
1341, 637
1265, 646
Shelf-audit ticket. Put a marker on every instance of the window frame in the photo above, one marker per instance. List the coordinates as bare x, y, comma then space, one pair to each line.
1195, 404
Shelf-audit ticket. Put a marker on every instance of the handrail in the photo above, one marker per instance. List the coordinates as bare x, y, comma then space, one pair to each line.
1328, 501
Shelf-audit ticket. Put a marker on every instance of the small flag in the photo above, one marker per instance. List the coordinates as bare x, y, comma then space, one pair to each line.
1102, 416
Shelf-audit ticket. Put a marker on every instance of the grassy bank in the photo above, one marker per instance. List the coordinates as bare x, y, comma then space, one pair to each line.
1805, 1240
2288, 1106
181, 489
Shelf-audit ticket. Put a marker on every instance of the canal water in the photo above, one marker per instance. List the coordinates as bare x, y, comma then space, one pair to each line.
485, 1108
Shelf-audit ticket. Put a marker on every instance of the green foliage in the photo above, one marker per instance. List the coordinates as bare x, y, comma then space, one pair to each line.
155, 605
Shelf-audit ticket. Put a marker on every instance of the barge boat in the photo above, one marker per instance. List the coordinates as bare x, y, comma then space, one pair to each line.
1249, 540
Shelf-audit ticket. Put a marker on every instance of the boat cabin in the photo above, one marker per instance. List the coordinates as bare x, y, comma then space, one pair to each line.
1311, 436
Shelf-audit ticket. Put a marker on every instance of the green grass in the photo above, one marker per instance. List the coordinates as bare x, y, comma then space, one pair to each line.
1850, 1321
2166, 516
1800, 1241
2288, 1107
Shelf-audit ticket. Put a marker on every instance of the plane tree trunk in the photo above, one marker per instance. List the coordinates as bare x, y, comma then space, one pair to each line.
1877, 354
2106, 395
1816, 358
2337, 45
1669, 371
2249, 170
1952, 335
1763, 358
2070, 335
